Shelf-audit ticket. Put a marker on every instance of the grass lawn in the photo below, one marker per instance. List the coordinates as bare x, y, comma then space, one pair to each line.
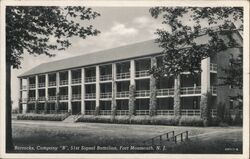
202, 140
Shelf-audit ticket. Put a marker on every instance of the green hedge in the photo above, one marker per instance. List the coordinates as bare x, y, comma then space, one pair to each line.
190, 121
48, 117
91, 118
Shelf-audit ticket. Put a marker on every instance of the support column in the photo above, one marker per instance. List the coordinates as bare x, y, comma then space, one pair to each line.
57, 92
69, 92
37, 96
205, 90
177, 97
97, 90
114, 105
25, 105
46, 93
153, 90
83, 92
132, 89
20, 98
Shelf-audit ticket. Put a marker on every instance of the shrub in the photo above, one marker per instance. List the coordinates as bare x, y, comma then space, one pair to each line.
122, 119
91, 118
190, 121
48, 117
164, 120
140, 119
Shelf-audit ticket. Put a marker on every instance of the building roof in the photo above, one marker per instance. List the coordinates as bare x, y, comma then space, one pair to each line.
140, 49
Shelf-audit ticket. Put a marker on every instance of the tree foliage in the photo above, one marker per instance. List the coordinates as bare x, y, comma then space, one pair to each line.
181, 50
38, 30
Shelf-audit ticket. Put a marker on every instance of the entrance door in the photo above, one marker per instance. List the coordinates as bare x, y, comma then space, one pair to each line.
76, 107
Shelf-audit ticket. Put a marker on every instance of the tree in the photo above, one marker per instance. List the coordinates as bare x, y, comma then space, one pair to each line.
181, 50
31, 29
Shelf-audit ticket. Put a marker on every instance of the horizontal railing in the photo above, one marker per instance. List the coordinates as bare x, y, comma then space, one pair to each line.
142, 73
89, 112
190, 90
62, 111
90, 79
52, 83
41, 85
165, 92
51, 111
165, 112
105, 112
213, 90
124, 75
32, 86
106, 77
64, 97
213, 67
142, 112
76, 80
90, 96
190, 112
76, 97
32, 98
122, 112
106, 95
52, 97
122, 94
41, 98
142, 93
64, 82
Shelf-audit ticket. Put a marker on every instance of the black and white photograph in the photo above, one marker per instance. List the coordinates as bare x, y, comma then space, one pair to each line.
125, 78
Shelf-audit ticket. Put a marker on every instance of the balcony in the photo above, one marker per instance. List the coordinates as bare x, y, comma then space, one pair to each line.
213, 91
89, 112
124, 75
165, 92
106, 95
142, 112
90, 79
122, 112
142, 93
123, 94
52, 98
41, 99
32, 98
32, 86
76, 81
143, 73
213, 67
165, 112
105, 77
190, 90
40, 85
105, 112
64, 97
190, 112
53, 83
90, 96
64, 82
76, 96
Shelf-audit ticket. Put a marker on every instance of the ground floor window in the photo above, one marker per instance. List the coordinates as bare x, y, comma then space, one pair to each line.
122, 104
51, 107
105, 105
90, 105
142, 104
165, 103
190, 102
63, 107
31, 107
76, 107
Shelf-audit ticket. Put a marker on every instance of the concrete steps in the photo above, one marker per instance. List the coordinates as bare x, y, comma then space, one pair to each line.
70, 119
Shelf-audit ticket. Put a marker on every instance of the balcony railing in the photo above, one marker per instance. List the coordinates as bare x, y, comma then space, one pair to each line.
105, 112
142, 93
106, 95
165, 92
64, 82
190, 112
105, 77
41, 98
213, 67
53, 83
64, 97
143, 73
122, 112
165, 112
52, 98
142, 112
90, 96
76, 81
90, 79
89, 112
32, 86
190, 90
125, 75
24, 87
32, 98
213, 90
123, 94
76, 96
41, 85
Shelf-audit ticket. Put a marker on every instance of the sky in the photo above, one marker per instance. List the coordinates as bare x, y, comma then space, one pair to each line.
118, 25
